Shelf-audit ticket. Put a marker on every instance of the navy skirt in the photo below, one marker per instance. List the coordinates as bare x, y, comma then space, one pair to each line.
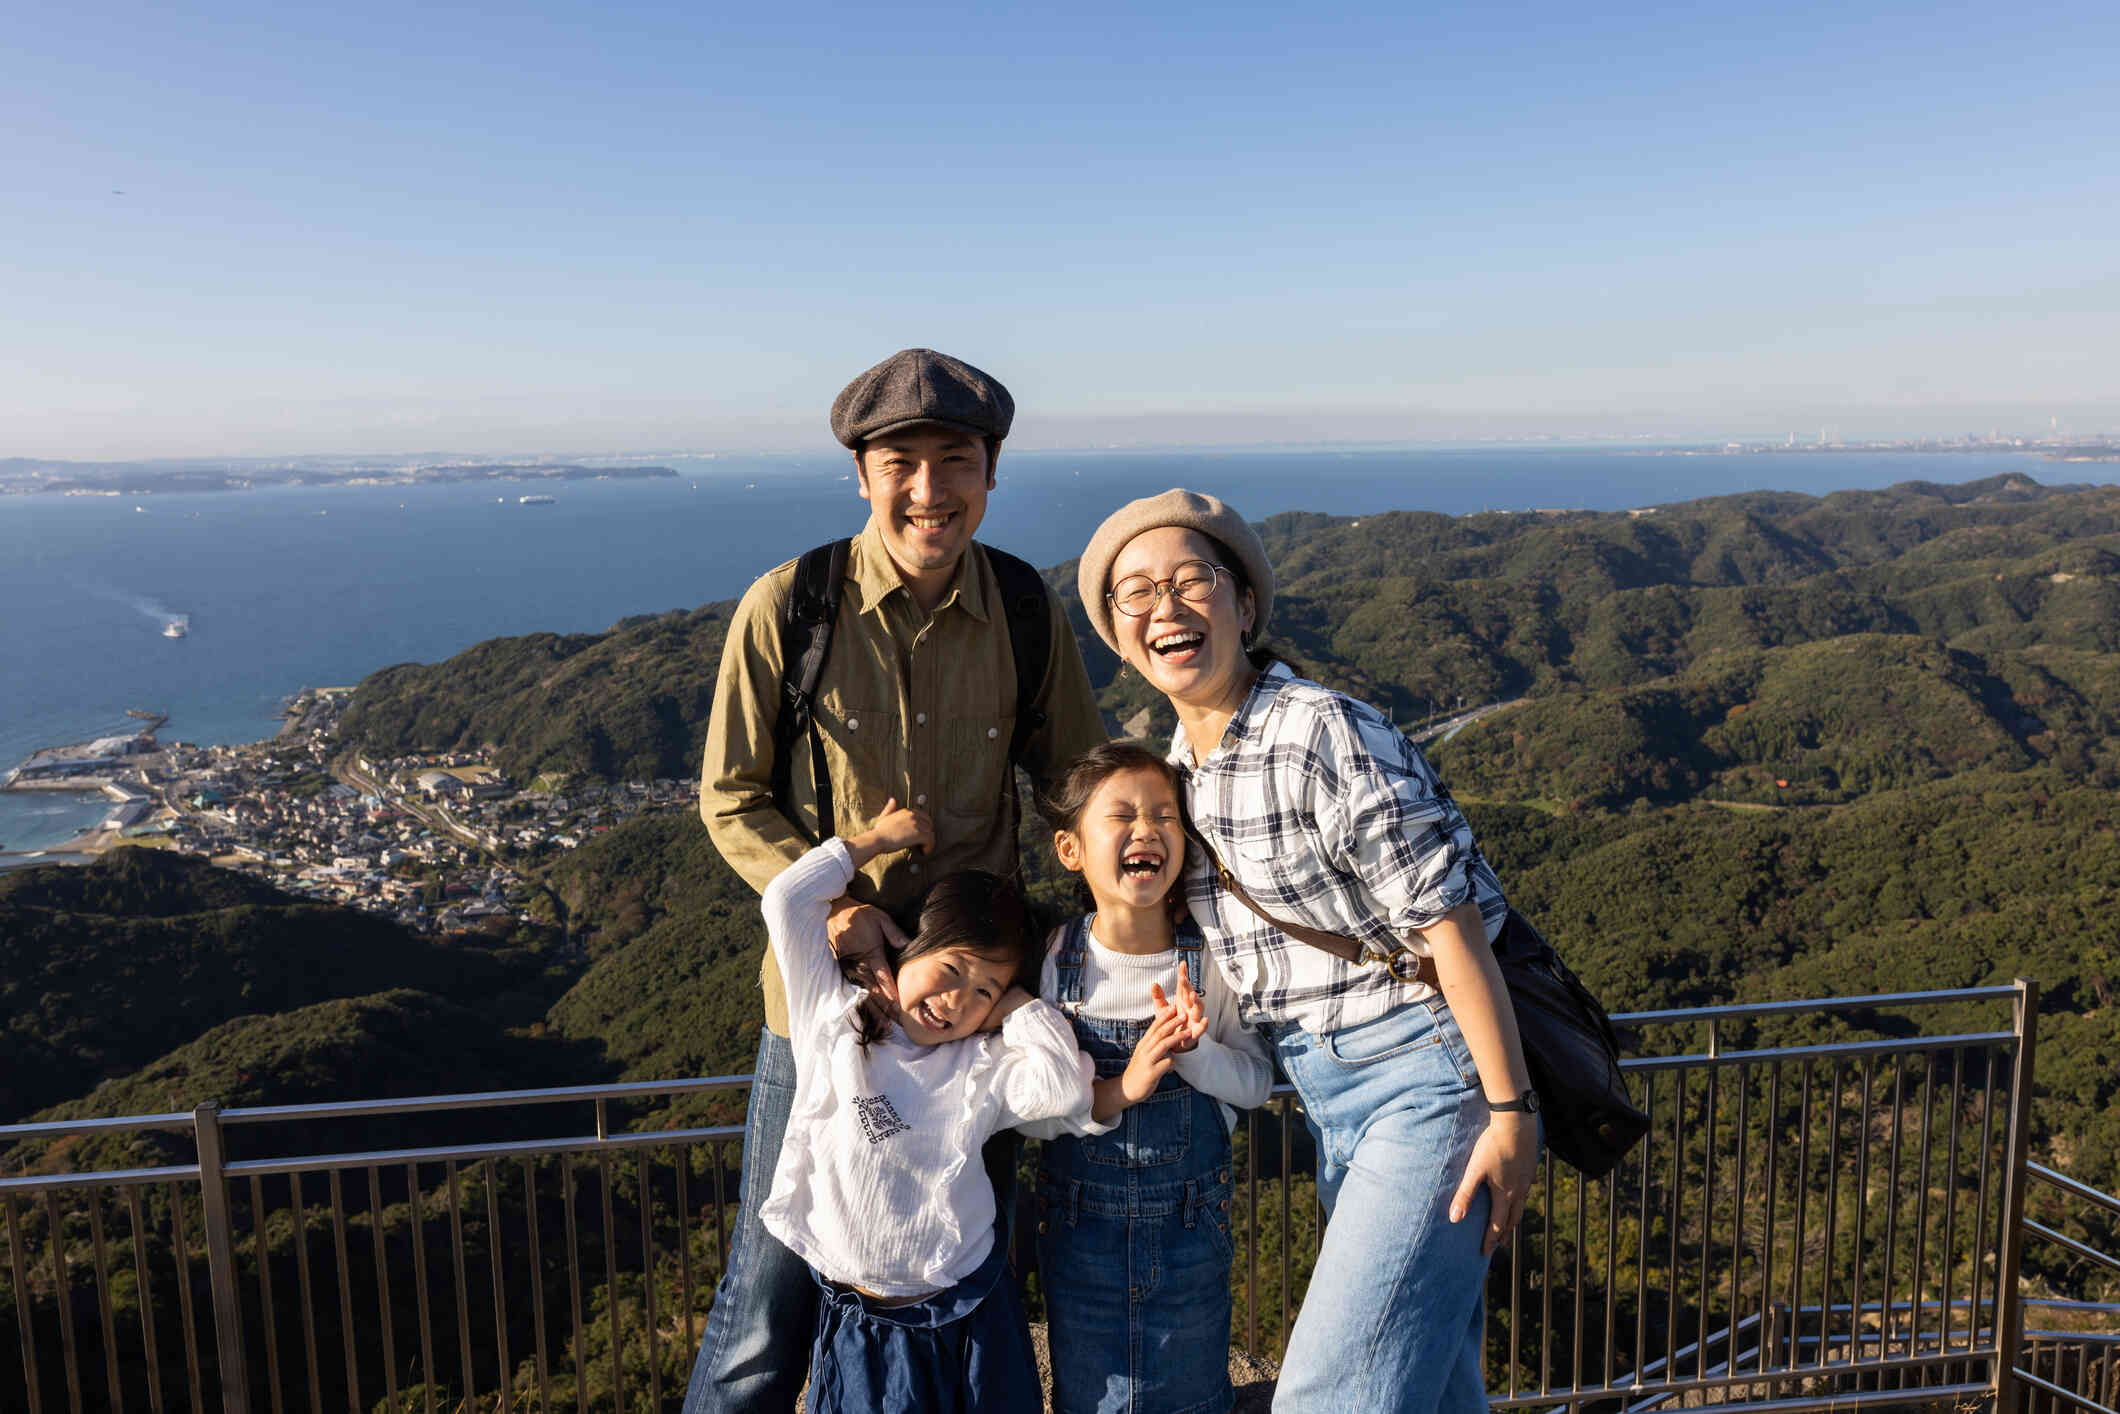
961, 1351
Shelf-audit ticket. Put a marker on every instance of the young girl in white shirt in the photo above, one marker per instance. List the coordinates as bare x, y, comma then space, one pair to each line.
879, 1186
1134, 1188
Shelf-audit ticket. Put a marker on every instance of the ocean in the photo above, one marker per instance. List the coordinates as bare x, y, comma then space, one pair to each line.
307, 587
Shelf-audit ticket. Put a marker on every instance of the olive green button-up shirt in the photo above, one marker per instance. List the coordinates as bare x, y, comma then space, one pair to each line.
915, 706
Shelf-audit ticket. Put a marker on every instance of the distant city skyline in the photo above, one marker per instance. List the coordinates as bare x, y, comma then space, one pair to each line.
265, 231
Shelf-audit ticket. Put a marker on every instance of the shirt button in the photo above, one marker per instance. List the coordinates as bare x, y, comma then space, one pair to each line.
920, 799
992, 732
853, 724
920, 719
916, 867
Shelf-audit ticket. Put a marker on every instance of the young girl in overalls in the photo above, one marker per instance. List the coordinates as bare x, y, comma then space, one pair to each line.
1133, 1196
879, 1186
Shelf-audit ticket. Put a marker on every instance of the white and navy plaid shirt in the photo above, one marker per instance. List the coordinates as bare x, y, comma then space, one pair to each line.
1331, 819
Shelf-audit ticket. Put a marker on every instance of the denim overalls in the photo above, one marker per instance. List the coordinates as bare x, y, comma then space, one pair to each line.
1133, 1232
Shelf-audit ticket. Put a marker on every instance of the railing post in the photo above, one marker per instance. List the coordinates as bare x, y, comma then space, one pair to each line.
2009, 1300
221, 1260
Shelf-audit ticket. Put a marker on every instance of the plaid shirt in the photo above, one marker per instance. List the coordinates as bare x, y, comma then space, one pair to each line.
1330, 818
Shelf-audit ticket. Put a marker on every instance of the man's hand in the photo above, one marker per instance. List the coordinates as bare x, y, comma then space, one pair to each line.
860, 932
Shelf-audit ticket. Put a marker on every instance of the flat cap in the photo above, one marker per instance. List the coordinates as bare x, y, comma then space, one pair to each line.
1193, 510
920, 385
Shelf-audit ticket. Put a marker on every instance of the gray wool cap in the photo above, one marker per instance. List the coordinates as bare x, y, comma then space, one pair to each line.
1193, 510
920, 385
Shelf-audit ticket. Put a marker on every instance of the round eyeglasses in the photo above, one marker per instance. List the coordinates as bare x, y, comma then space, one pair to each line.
1193, 581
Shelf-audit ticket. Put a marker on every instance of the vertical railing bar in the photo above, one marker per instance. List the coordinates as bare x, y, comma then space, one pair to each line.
2009, 1312
1950, 1198
1825, 1267
337, 1188
502, 1365
1737, 1225
299, 1208
1921, 1198
1516, 1306
611, 1301
1287, 1234
684, 1243
149, 1346
221, 1260
1707, 1205
1980, 1211
1888, 1322
1545, 1257
1766, 1227
63, 1293
415, 1203
180, 1244
1611, 1274
267, 1305
1251, 1246
1796, 1232
1858, 1346
721, 1199
1678, 1209
647, 1275
379, 1252
1641, 1233
106, 1308
579, 1349
537, 1286
24, 1311
1575, 1370
463, 1283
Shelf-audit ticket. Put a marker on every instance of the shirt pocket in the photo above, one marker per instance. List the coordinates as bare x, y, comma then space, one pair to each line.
862, 752
976, 767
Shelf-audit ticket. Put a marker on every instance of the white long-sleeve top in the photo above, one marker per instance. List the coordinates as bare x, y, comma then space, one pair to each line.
879, 1183
1231, 1063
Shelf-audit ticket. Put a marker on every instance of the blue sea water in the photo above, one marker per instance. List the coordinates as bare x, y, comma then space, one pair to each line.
302, 587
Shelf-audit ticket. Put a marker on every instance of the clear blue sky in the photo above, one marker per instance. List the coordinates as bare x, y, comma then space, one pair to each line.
381, 227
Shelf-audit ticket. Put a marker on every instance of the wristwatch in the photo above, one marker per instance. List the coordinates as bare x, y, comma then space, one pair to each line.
1526, 1103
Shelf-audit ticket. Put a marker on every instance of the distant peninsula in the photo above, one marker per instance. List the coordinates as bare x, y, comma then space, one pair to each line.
29, 476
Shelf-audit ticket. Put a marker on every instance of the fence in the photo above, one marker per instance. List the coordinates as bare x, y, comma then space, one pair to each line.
1829, 1211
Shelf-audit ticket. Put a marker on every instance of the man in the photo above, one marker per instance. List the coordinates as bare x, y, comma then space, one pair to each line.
917, 701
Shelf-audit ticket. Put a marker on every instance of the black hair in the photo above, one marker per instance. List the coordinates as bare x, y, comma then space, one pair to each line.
1260, 653
972, 909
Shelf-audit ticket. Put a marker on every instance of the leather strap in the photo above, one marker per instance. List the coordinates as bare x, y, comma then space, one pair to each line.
1344, 948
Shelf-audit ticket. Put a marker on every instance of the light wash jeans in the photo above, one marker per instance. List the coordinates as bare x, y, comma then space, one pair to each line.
755, 1354
1395, 1318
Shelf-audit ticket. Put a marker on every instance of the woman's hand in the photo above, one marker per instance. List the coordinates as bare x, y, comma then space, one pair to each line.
1007, 1006
1505, 1159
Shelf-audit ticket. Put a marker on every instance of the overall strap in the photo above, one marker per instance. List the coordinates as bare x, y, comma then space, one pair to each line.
1192, 948
1067, 965
805, 641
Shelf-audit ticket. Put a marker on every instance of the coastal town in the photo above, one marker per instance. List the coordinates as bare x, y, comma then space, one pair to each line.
439, 843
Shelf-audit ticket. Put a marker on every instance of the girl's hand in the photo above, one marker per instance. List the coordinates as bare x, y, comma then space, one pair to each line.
1153, 1056
1505, 1159
1187, 1006
897, 828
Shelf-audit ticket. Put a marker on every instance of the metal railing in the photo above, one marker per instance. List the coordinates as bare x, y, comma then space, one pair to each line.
1829, 1210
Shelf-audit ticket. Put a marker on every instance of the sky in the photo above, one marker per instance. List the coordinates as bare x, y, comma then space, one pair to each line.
253, 229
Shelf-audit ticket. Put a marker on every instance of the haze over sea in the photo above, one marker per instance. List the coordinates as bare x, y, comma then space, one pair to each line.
303, 587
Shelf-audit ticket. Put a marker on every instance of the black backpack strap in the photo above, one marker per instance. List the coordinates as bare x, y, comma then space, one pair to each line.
805, 640
1030, 640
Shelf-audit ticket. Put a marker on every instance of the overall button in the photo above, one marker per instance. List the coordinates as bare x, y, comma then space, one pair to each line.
1041, 1227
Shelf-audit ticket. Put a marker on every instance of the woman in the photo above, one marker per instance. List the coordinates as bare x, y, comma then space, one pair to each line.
1408, 1066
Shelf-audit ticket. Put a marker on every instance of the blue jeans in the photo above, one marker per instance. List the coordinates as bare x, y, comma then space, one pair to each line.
755, 1353
961, 1351
1395, 1318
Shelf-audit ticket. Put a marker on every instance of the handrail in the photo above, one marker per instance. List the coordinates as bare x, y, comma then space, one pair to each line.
485, 1099
2073, 1187
1875, 1001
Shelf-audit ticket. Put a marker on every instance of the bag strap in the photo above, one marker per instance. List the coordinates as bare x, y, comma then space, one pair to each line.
805, 640
1346, 949
1030, 641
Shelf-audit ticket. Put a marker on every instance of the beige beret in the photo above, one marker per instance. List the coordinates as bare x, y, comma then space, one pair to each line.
1189, 509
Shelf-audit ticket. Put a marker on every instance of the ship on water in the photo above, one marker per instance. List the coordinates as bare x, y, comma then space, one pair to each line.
533, 500
177, 627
